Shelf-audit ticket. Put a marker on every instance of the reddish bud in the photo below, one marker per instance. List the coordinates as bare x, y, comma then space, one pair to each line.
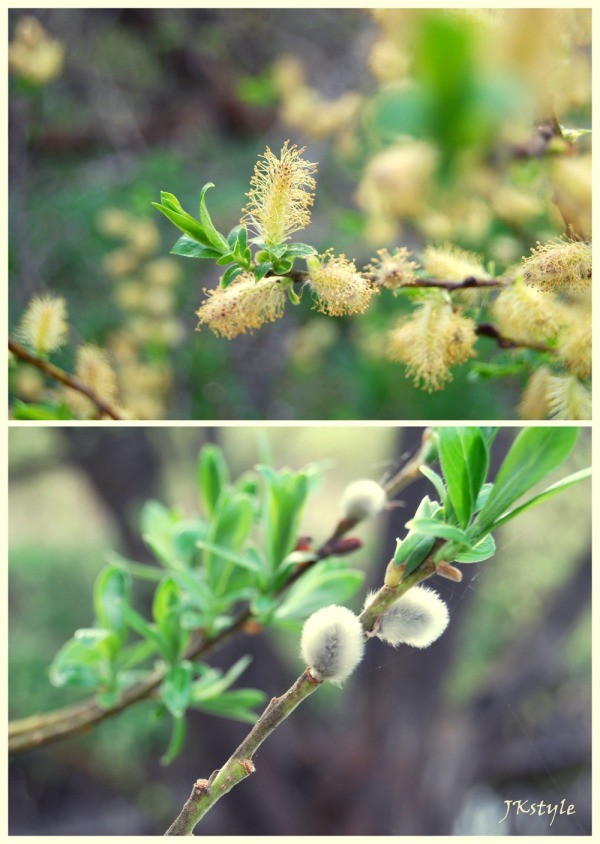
304, 544
341, 547
252, 627
449, 572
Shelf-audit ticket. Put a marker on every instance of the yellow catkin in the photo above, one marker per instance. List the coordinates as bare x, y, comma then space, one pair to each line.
452, 263
242, 306
94, 369
560, 265
397, 181
430, 342
534, 400
392, 270
574, 348
339, 287
522, 312
44, 325
281, 193
33, 54
568, 398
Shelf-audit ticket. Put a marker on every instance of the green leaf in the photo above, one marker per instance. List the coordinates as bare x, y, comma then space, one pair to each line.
185, 222
230, 275
84, 661
176, 688
225, 259
464, 459
249, 562
432, 527
484, 549
40, 412
237, 704
282, 267
299, 250
112, 590
331, 582
534, 454
165, 611
176, 742
436, 480
213, 476
262, 269
415, 547
190, 248
157, 523
141, 570
559, 486
216, 239
214, 682
148, 631
286, 496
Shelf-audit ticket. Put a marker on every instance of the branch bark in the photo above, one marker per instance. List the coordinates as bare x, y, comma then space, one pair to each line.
52, 371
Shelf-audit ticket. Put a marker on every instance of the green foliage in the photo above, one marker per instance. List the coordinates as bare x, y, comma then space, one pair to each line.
207, 567
470, 509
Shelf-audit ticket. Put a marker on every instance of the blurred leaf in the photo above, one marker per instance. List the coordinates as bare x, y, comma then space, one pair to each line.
157, 524
148, 631
40, 412
213, 476
112, 590
176, 741
329, 582
436, 480
237, 705
559, 486
165, 611
535, 453
432, 527
176, 688
83, 662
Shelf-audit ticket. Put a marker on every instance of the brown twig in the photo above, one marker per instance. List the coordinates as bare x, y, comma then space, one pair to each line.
63, 377
300, 276
487, 329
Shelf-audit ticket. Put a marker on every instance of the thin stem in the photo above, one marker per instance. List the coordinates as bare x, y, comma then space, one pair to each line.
300, 276
487, 329
205, 793
63, 377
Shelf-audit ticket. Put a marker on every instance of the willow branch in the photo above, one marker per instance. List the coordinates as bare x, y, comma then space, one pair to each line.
487, 329
42, 729
63, 377
301, 276
206, 792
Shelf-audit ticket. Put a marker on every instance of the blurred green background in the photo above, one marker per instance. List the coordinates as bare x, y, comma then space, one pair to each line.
498, 709
153, 99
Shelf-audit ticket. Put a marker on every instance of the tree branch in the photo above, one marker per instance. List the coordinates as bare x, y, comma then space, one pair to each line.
487, 329
63, 377
301, 276
206, 792
42, 729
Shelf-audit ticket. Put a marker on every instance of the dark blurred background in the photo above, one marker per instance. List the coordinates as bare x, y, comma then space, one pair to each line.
417, 743
156, 99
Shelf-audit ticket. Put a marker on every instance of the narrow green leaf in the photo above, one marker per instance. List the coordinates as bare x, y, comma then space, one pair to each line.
299, 250
213, 476
147, 631
216, 239
431, 527
534, 454
190, 248
230, 275
464, 459
246, 562
235, 704
262, 269
112, 590
186, 223
176, 741
436, 480
559, 486
484, 549
176, 687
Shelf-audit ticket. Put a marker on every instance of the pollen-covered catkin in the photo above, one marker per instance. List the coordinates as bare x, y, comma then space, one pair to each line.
363, 499
44, 326
339, 287
417, 618
332, 643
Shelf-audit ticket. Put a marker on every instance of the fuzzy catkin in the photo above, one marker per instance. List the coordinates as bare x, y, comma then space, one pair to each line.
332, 643
363, 499
417, 618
